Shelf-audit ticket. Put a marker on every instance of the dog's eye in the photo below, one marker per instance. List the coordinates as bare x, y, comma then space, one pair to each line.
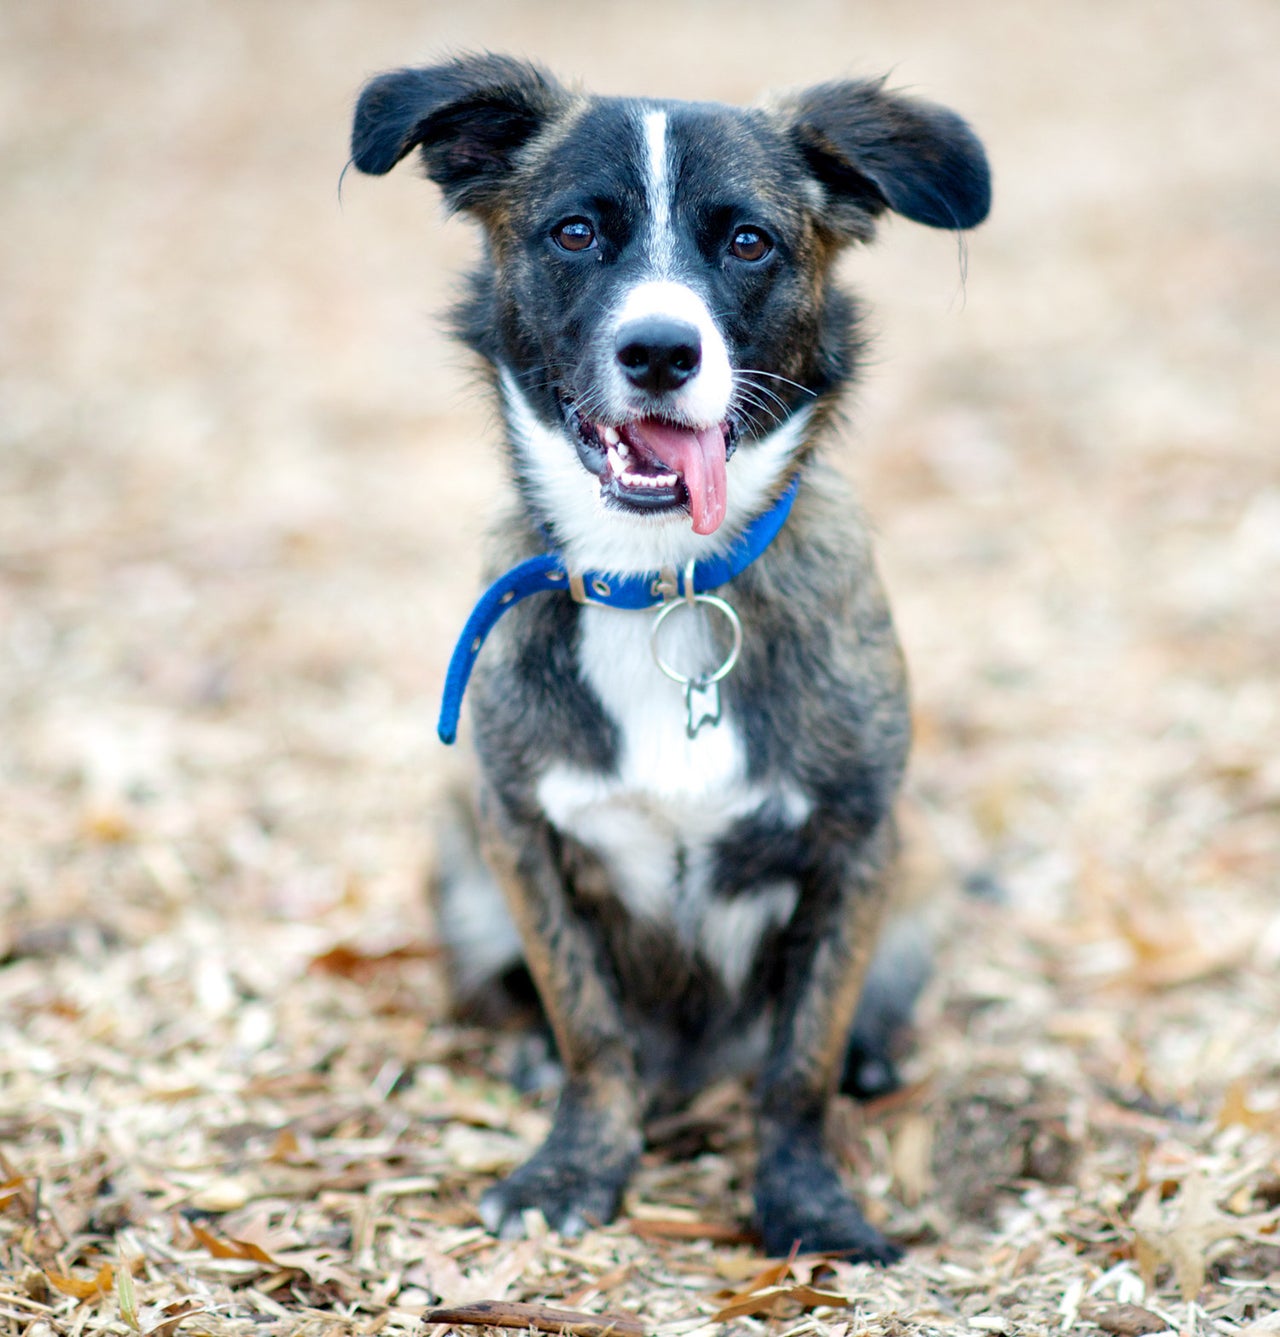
750, 244
574, 234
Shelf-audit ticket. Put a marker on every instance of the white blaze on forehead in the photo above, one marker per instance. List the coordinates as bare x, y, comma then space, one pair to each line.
658, 189
704, 400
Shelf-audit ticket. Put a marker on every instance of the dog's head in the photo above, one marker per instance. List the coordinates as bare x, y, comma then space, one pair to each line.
657, 300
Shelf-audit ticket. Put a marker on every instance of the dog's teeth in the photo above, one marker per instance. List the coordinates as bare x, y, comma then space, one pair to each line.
625, 478
611, 437
623, 449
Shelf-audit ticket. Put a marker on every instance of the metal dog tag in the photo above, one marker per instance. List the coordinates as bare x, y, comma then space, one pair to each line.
701, 693
702, 704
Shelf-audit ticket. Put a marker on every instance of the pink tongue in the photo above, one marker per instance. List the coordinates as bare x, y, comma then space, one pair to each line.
699, 457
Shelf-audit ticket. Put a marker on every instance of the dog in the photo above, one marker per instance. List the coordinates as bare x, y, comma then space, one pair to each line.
690, 711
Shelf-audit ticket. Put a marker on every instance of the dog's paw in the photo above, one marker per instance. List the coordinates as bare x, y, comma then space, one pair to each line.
801, 1205
838, 1228
571, 1197
869, 1072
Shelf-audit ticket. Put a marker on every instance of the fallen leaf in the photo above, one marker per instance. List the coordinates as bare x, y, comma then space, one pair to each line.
759, 1279
173, 1315
12, 1190
508, 1314
1126, 1320
602, 1285
82, 1288
783, 1284
1188, 1233
718, 1232
1237, 1110
244, 1250
351, 963
775, 1299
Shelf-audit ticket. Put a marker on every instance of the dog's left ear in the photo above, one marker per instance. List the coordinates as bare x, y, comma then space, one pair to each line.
871, 150
469, 117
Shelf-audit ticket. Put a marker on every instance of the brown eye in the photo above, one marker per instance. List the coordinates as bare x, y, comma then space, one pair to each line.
574, 234
750, 244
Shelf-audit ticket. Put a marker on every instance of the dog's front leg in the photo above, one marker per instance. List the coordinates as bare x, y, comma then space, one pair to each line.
800, 1201
577, 1176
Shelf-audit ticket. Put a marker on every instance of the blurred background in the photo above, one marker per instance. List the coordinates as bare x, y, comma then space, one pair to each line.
242, 473
243, 477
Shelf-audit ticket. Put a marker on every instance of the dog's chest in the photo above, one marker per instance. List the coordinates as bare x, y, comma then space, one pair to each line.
657, 819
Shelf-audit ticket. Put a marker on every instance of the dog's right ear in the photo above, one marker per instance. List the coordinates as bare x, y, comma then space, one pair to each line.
469, 117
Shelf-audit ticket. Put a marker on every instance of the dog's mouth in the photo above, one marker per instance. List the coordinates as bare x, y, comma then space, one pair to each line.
652, 464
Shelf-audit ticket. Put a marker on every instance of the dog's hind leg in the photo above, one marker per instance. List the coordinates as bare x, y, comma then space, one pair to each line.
489, 981
483, 957
900, 969
920, 906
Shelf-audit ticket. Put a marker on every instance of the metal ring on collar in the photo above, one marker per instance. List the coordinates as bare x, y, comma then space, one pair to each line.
735, 623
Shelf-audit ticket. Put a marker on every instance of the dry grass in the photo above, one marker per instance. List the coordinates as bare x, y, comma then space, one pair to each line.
240, 483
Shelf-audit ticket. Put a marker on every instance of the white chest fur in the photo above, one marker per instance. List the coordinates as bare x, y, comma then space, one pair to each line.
655, 821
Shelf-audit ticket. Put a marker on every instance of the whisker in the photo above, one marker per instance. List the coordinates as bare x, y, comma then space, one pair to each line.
762, 392
775, 376
744, 397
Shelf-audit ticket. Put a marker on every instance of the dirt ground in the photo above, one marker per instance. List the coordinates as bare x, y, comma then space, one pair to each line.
242, 477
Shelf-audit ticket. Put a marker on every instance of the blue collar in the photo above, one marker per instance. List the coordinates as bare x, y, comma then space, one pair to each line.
547, 574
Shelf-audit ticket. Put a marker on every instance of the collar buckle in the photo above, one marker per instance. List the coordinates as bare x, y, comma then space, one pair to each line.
668, 587
600, 588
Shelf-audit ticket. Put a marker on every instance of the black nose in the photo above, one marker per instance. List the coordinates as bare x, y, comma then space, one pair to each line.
657, 353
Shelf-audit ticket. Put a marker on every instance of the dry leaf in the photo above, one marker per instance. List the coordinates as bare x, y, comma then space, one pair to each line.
1237, 1110
243, 1250
174, 1314
760, 1279
81, 1288
601, 1285
768, 1292
13, 1191
1188, 1233
674, 1228
1127, 1320
352, 963
506, 1314
776, 1300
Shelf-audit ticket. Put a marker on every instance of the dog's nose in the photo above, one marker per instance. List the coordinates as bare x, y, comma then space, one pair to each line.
658, 353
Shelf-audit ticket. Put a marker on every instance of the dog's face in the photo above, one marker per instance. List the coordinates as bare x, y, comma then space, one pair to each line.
658, 306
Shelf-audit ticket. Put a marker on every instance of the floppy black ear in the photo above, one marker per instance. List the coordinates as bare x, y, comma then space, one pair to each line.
469, 117
874, 150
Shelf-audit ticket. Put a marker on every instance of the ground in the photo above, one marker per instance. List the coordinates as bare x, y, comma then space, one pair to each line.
242, 477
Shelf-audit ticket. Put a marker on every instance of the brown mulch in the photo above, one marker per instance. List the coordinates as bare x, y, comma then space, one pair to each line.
241, 481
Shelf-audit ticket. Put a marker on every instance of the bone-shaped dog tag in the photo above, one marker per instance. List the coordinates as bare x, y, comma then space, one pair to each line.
702, 705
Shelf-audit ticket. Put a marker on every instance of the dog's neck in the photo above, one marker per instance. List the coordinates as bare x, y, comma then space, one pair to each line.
549, 574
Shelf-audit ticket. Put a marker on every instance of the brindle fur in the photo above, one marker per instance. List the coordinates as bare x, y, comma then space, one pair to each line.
616, 995
819, 698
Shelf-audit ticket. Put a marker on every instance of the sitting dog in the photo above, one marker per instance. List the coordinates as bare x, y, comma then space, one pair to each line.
690, 710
